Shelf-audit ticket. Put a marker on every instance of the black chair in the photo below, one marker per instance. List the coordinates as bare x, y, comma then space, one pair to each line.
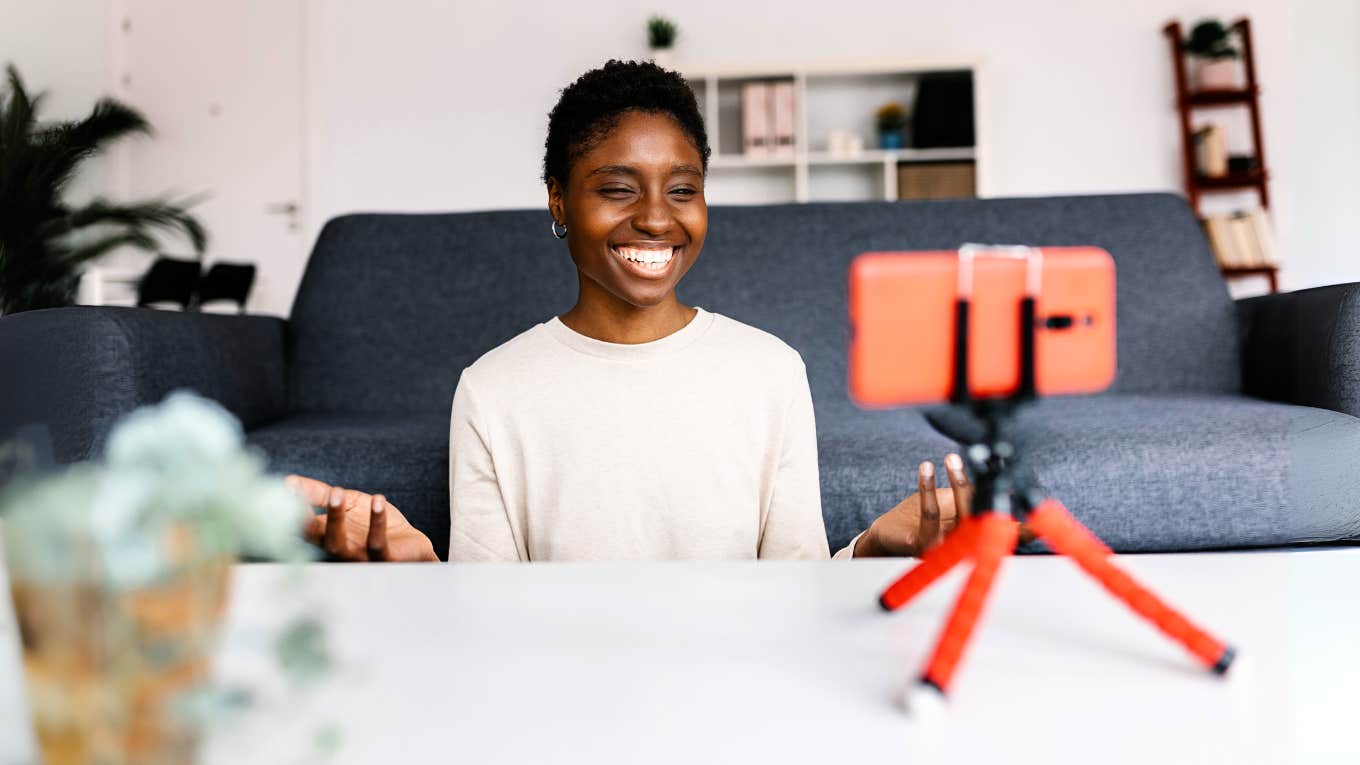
227, 281
169, 280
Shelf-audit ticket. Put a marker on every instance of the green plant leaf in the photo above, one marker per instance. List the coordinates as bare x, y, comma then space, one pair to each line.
153, 213
79, 255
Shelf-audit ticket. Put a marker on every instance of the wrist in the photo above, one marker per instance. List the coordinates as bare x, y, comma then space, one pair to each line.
867, 545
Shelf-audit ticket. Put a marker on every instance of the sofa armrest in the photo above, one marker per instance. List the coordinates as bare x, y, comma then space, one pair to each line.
1303, 347
76, 370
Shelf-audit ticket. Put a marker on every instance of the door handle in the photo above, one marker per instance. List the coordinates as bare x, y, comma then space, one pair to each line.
290, 209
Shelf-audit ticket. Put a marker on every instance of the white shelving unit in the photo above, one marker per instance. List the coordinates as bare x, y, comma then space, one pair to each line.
828, 95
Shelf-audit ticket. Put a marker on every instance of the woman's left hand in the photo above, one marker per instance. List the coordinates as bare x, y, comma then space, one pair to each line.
920, 521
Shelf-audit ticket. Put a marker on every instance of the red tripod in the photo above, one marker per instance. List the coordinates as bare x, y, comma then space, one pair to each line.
1005, 495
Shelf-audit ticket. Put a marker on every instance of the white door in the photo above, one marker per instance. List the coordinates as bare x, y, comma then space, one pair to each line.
221, 83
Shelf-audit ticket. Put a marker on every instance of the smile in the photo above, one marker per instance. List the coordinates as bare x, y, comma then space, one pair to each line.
650, 261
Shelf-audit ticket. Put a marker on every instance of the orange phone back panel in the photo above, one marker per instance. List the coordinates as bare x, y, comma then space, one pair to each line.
902, 314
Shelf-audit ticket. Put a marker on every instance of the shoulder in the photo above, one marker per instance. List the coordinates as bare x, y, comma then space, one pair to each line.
756, 346
511, 360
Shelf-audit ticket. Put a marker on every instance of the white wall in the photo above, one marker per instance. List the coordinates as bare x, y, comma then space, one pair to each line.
444, 108
1325, 175
62, 47
428, 105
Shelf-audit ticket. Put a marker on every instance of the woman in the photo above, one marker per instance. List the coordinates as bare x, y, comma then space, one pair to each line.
632, 426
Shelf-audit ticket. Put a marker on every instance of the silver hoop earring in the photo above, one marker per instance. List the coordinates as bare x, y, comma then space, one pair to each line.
562, 235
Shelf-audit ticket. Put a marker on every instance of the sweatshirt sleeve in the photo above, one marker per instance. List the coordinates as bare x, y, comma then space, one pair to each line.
479, 523
793, 525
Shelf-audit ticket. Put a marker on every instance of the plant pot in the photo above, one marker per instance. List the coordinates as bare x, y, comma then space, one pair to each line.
890, 139
112, 673
664, 57
1217, 74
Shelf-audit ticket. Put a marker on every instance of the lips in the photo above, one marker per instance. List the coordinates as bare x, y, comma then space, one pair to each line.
647, 261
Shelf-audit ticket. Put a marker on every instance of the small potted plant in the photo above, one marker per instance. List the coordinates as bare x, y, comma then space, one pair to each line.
661, 33
892, 120
119, 574
1211, 46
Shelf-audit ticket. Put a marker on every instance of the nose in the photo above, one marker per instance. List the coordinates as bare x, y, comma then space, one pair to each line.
653, 215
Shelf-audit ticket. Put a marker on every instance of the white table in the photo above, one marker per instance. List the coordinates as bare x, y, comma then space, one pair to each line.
793, 662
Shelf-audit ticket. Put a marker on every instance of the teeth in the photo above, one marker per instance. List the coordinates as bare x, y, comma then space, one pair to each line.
651, 258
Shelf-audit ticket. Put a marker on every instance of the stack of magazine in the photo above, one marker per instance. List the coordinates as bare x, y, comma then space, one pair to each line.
1241, 239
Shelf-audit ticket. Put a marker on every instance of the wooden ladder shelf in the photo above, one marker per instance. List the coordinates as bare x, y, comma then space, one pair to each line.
1187, 101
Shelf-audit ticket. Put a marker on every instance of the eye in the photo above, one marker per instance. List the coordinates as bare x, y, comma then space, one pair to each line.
615, 191
685, 191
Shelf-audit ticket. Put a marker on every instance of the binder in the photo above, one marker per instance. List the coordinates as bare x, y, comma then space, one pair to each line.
784, 115
755, 119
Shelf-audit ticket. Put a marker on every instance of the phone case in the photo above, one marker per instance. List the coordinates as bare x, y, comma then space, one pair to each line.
902, 319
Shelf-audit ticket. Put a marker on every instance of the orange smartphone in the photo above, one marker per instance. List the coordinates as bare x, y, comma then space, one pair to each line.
903, 317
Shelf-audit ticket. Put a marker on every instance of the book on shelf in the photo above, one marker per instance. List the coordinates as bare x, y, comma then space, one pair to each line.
783, 117
1265, 237
768, 119
1244, 244
1241, 239
1211, 152
755, 119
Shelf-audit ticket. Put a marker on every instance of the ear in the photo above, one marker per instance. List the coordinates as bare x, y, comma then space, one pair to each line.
556, 205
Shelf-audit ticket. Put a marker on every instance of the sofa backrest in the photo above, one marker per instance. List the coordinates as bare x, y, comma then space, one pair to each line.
393, 307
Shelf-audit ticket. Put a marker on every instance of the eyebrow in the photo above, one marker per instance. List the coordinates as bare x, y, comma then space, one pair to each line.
630, 170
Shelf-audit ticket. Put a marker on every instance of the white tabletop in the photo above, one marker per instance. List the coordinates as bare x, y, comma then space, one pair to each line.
794, 662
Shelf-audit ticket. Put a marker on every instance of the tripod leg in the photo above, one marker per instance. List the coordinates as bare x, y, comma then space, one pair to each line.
1056, 526
934, 564
994, 539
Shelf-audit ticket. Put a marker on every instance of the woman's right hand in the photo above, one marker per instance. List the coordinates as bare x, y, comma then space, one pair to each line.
359, 526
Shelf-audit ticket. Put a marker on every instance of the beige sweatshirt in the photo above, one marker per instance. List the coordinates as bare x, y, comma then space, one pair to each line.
699, 445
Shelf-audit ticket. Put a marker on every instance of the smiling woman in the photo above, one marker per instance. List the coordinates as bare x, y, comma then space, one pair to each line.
631, 426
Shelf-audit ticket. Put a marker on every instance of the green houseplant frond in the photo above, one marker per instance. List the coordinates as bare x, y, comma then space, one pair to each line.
44, 243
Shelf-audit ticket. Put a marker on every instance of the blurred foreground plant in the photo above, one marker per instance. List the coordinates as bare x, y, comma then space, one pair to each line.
119, 573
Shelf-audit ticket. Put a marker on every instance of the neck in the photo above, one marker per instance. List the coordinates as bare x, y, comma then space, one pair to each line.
613, 321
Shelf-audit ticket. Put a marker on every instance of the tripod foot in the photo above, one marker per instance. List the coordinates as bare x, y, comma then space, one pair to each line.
1224, 661
924, 701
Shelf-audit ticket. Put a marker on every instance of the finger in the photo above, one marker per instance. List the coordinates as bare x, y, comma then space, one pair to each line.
929, 530
314, 530
377, 529
335, 523
314, 492
958, 481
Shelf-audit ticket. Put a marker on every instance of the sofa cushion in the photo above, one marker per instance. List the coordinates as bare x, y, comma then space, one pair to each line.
868, 462
411, 300
392, 307
1160, 473
405, 458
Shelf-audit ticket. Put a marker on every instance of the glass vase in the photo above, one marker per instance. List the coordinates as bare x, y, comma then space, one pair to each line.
113, 674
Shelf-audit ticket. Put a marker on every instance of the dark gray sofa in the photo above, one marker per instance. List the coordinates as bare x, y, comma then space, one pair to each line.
1229, 425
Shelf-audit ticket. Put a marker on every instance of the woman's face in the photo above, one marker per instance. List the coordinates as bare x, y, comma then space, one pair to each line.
634, 209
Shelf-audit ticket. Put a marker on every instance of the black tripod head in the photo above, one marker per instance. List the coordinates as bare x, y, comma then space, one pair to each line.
1001, 484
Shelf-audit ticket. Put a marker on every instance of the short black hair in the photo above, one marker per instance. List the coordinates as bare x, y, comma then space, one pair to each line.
590, 107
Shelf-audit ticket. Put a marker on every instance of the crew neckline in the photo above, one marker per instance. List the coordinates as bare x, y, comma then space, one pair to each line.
671, 343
